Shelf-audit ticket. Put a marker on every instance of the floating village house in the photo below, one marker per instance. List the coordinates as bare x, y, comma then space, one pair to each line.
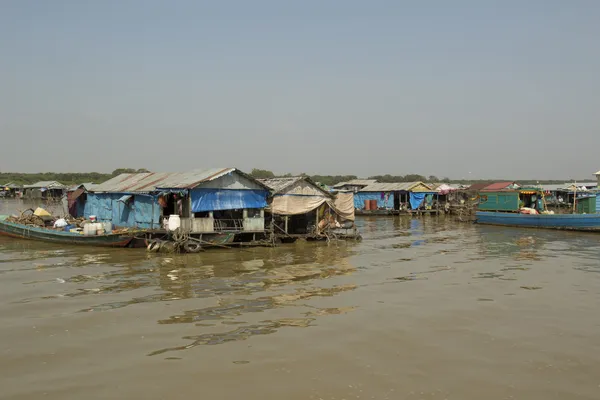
562, 195
298, 205
44, 190
11, 189
354, 185
207, 201
394, 197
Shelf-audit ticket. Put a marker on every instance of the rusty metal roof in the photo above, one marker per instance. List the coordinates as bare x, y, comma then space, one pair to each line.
356, 182
393, 187
151, 181
478, 186
500, 186
278, 185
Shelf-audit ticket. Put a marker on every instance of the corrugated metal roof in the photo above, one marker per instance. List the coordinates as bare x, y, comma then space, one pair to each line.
479, 185
87, 186
597, 173
392, 187
586, 184
498, 186
356, 182
552, 188
278, 185
46, 184
151, 181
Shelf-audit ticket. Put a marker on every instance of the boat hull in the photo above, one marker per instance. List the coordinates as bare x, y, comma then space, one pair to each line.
573, 222
28, 232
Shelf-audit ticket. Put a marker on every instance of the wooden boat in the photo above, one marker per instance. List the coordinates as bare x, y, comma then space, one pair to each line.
526, 207
574, 222
49, 235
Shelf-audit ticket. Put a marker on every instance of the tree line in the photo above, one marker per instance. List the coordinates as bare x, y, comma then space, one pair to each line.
71, 178
331, 180
67, 178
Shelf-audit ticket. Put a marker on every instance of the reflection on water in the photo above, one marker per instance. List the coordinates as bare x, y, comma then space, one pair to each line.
451, 309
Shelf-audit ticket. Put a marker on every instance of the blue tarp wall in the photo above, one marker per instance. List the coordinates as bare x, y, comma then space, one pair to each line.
142, 211
360, 197
227, 199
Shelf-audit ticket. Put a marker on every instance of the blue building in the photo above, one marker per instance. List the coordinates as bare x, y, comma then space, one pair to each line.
207, 200
395, 196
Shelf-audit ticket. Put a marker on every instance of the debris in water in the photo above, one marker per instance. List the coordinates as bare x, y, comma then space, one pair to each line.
531, 287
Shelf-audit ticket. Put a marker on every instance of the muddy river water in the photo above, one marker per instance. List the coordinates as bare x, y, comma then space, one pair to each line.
420, 309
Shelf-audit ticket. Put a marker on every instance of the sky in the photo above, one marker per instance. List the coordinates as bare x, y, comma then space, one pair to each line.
475, 89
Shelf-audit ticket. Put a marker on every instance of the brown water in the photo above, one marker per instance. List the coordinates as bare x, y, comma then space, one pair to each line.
421, 309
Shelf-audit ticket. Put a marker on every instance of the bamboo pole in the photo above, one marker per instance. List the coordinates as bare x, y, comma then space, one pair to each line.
575, 198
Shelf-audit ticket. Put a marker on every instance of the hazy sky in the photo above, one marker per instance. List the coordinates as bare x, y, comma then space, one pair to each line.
496, 88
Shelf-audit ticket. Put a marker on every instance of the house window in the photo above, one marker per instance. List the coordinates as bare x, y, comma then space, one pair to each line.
254, 213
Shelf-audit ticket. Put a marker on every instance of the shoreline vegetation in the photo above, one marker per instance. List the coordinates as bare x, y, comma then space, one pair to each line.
71, 178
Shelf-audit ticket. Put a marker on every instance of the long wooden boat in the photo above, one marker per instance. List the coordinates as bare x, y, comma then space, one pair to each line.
574, 222
48, 235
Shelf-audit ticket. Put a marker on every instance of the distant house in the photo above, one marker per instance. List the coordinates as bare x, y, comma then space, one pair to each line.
297, 204
500, 186
206, 200
394, 196
354, 185
598, 177
44, 190
10, 189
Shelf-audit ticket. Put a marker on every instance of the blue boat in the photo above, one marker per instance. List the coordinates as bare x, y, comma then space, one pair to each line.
574, 222
526, 207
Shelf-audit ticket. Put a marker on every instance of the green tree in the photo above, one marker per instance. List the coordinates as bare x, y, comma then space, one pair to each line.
262, 173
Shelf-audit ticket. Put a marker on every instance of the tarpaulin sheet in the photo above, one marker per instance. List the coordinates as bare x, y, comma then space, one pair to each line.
72, 198
342, 204
293, 205
445, 189
416, 199
144, 212
227, 199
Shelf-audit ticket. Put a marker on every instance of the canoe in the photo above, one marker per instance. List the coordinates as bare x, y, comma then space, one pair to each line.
48, 235
574, 222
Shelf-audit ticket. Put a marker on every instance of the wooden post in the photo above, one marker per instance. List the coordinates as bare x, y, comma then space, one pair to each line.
574, 198
286, 223
317, 219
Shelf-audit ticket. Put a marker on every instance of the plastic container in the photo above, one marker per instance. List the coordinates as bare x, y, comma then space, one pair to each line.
89, 229
367, 205
107, 227
99, 228
174, 222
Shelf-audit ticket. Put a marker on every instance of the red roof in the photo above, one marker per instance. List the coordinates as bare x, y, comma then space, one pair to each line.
478, 186
498, 186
